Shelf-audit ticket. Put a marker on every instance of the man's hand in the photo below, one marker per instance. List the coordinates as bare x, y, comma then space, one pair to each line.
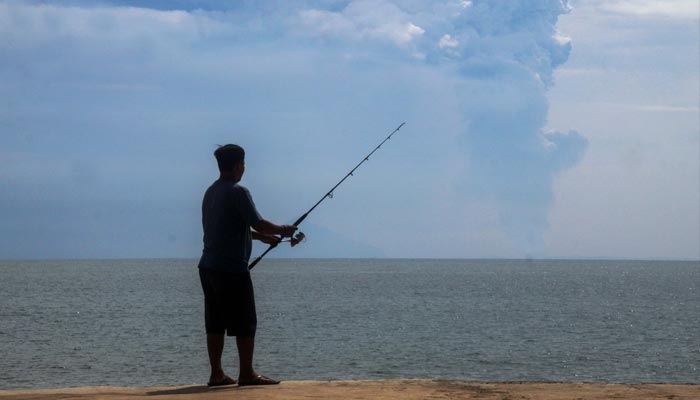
268, 228
288, 230
268, 239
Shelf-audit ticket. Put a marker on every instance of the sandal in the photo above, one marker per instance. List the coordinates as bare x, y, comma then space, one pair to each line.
259, 380
226, 381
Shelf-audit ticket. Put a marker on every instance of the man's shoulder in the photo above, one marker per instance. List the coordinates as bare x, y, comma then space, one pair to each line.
228, 186
239, 189
238, 192
238, 186
229, 191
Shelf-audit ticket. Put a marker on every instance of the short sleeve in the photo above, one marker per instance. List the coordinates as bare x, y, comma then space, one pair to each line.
245, 205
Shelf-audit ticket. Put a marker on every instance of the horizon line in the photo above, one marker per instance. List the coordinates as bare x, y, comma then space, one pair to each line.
527, 259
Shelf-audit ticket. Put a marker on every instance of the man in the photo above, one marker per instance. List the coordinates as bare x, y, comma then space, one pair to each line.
228, 213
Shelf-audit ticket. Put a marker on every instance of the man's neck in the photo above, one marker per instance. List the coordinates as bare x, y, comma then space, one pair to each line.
229, 176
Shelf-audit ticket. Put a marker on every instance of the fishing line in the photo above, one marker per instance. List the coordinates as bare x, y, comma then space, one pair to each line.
299, 237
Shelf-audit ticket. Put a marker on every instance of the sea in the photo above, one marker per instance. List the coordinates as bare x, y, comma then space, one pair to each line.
140, 322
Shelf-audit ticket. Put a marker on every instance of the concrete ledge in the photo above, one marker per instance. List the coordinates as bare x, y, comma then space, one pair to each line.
406, 389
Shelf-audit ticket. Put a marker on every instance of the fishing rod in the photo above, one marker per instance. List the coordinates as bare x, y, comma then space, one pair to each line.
300, 236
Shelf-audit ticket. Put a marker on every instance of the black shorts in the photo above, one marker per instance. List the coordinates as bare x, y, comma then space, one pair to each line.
229, 303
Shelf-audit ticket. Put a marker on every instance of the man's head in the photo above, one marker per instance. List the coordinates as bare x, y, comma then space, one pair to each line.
230, 158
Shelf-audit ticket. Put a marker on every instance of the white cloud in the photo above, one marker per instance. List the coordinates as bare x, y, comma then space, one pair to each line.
664, 108
328, 23
447, 41
26, 25
561, 39
408, 32
651, 107
681, 9
364, 20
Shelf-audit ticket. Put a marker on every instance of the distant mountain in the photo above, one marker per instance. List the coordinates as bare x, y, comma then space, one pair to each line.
321, 242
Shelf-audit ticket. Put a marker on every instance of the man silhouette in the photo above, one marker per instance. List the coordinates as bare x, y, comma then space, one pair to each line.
228, 214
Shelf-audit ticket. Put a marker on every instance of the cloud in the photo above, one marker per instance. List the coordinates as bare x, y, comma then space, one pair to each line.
117, 100
447, 41
506, 55
363, 20
677, 9
44, 23
660, 108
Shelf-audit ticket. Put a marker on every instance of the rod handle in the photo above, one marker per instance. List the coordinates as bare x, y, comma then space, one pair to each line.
272, 246
302, 218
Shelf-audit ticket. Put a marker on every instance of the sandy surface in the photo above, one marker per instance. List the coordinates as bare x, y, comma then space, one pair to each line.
378, 390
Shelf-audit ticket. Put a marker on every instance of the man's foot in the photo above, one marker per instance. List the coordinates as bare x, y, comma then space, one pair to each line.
222, 382
257, 380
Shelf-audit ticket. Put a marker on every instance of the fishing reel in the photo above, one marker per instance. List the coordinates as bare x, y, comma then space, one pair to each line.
296, 239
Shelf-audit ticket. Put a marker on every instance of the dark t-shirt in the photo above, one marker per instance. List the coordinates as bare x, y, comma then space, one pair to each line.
228, 212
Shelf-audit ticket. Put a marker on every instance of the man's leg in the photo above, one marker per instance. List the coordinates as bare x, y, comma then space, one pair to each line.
246, 347
248, 376
246, 341
215, 347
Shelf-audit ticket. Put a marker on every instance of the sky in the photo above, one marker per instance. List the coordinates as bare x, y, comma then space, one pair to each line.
545, 129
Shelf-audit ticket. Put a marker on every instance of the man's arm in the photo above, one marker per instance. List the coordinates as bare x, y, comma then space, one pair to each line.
265, 238
266, 227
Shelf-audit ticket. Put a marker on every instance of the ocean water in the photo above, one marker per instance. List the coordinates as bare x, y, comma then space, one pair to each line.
140, 322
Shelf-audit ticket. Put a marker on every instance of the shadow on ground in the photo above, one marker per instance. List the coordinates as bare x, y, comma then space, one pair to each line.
189, 390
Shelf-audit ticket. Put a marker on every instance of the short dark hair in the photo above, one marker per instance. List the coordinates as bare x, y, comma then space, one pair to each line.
228, 155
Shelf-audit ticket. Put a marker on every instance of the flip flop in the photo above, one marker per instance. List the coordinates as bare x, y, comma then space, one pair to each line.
259, 380
226, 381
